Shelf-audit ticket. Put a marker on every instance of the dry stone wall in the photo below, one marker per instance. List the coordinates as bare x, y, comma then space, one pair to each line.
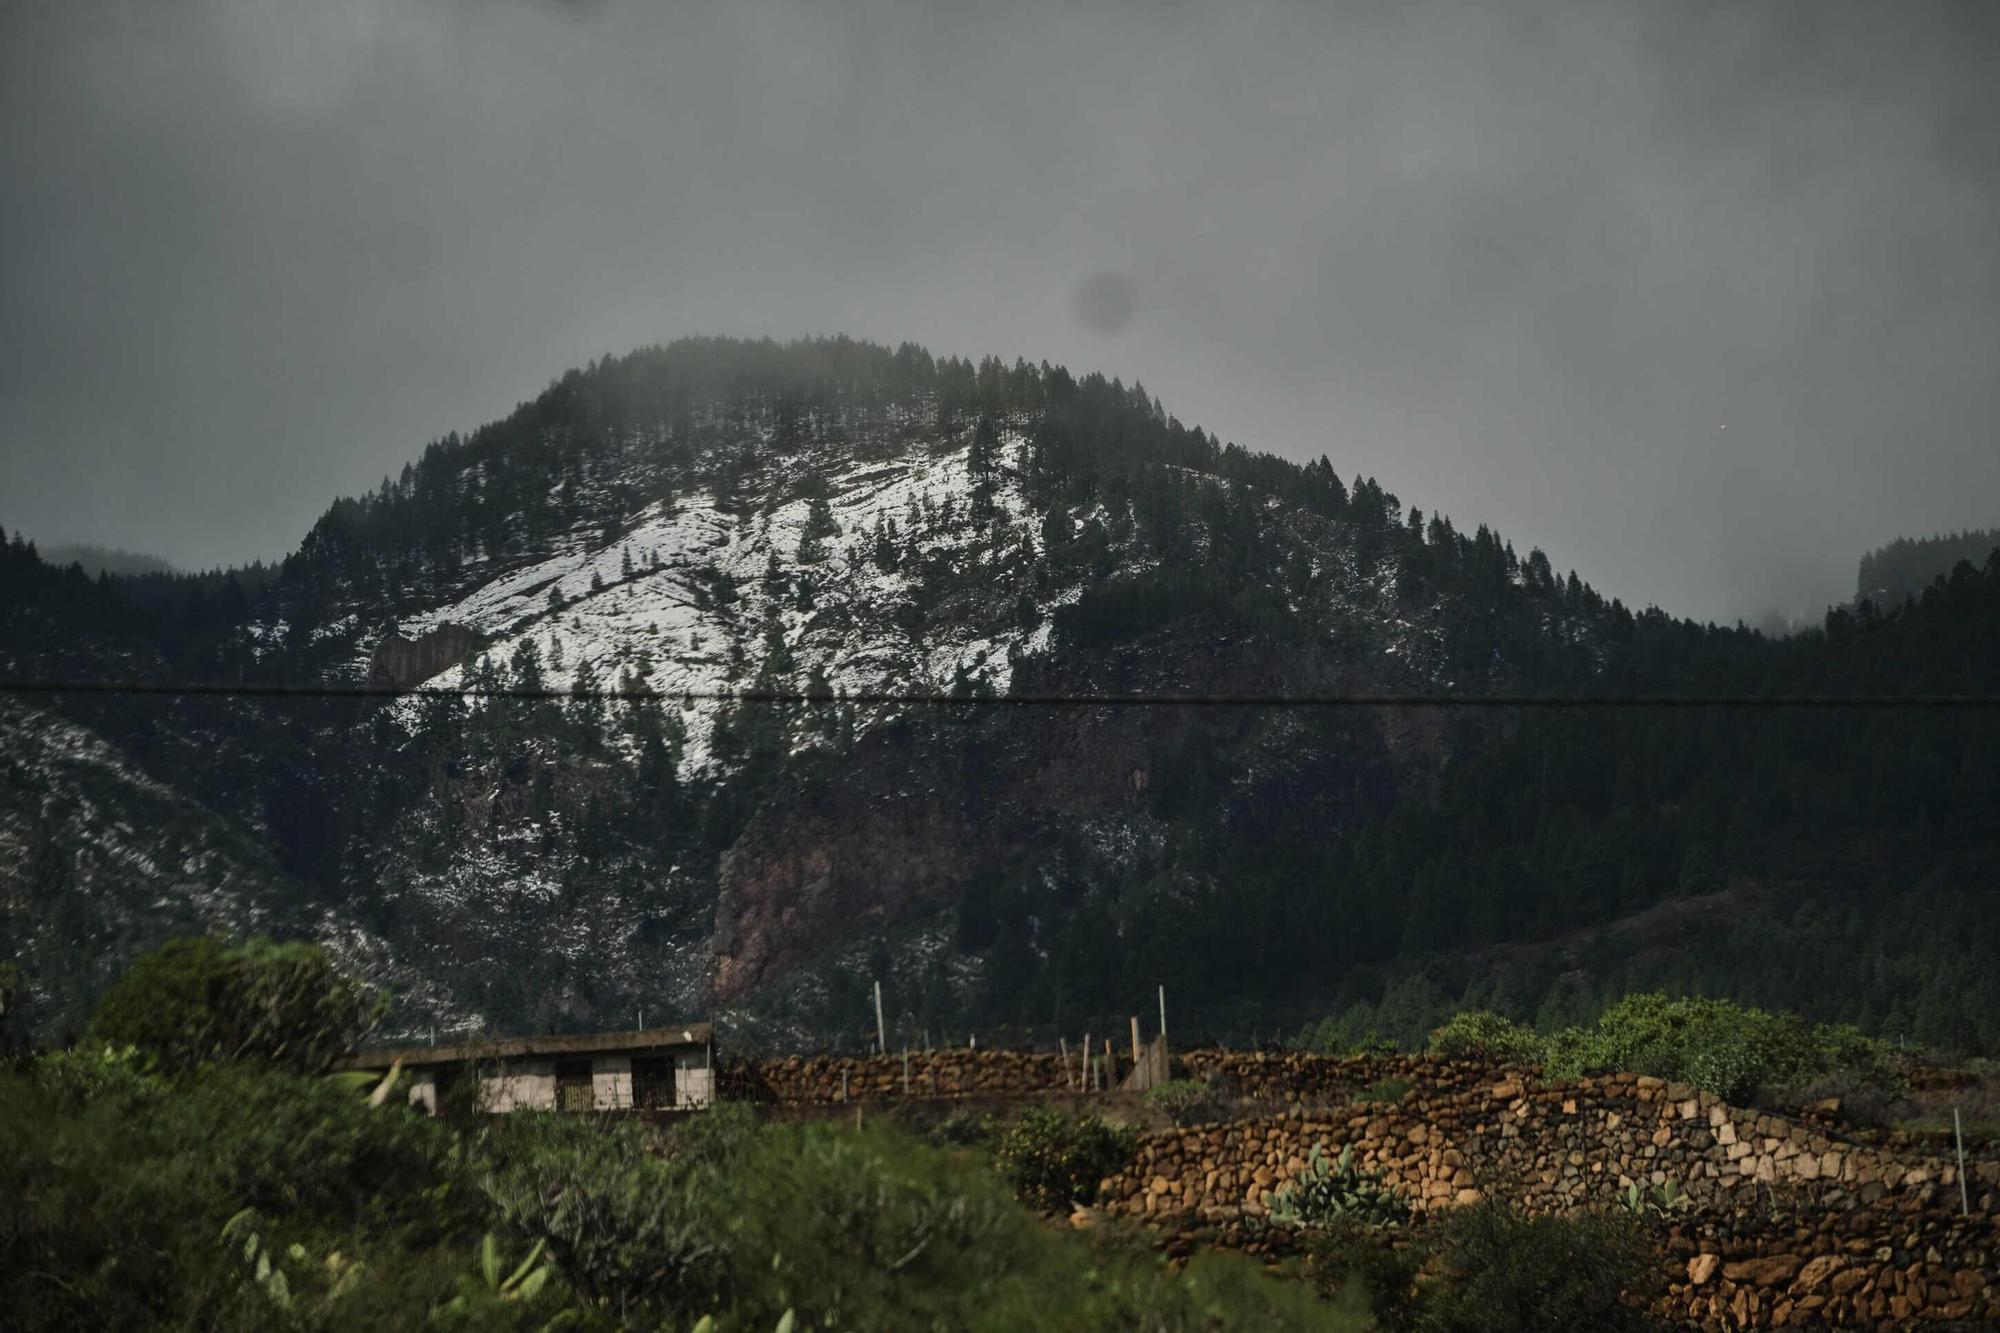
1786, 1225
818, 1079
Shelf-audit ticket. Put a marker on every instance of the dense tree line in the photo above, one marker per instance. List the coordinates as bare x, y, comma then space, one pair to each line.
1906, 566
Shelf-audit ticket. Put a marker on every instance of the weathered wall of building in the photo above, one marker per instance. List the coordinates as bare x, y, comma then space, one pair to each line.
694, 1080
522, 1085
611, 1082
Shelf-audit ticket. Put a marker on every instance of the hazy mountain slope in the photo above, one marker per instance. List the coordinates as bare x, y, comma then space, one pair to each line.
1905, 567
98, 860
713, 518
104, 560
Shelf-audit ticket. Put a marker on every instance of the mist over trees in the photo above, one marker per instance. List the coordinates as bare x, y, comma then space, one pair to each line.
1906, 566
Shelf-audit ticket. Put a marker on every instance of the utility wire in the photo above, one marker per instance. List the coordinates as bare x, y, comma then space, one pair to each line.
917, 699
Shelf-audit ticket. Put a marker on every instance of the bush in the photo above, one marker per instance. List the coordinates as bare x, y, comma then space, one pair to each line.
194, 1002
116, 1204
93, 1073
1342, 1192
1056, 1160
1724, 1048
1347, 1257
1384, 1090
1185, 1101
1499, 1272
1481, 1034
629, 1230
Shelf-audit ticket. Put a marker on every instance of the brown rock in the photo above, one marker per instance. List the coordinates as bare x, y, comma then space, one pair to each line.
1816, 1271
1702, 1268
1773, 1270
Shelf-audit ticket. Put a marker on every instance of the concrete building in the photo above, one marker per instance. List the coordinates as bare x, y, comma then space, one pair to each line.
666, 1068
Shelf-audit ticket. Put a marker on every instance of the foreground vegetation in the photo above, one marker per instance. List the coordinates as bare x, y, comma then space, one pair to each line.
249, 1197
193, 1165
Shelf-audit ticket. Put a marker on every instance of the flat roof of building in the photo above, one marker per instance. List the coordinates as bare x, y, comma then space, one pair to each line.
635, 1041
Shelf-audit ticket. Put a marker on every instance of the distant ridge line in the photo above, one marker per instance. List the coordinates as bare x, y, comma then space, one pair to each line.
877, 697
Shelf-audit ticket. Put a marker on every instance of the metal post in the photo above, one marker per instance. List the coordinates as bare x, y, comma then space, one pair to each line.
843, 1085
881, 1038
1062, 1044
1163, 1011
1958, 1132
1085, 1071
906, 1071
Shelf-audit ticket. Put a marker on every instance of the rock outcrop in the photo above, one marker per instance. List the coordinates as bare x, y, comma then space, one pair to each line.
399, 663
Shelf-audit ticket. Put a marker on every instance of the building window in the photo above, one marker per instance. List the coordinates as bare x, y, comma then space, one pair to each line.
652, 1081
574, 1088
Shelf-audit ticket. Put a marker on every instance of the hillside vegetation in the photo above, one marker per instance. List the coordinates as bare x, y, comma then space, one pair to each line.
830, 517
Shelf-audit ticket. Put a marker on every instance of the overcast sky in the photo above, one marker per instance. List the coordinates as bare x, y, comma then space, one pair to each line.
1703, 299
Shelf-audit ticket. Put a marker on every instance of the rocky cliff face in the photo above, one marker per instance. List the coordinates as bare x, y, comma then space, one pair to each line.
399, 663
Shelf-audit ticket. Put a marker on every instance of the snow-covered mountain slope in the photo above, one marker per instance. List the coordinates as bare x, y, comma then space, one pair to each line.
688, 599
706, 521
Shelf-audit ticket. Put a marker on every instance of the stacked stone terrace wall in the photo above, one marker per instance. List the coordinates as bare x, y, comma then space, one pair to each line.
818, 1079
1787, 1225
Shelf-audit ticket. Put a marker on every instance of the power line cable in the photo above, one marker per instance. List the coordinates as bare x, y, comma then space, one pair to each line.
892, 698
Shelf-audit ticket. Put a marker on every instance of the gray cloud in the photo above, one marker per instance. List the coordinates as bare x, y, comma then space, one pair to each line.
1704, 299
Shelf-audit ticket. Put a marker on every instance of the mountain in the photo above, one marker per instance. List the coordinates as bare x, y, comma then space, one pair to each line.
822, 524
1905, 567
104, 560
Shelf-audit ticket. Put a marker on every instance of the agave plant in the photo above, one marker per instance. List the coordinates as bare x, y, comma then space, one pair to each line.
1342, 1191
1659, 1201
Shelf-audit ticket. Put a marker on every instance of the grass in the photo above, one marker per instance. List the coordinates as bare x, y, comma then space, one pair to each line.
119, 1184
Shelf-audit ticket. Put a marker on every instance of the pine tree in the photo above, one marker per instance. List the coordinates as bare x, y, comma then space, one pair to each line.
982, 455
820, 525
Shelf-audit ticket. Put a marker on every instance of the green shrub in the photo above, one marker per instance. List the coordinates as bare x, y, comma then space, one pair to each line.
195, 1002
1500, 1272
1346, 1257
1056, 1160
1724, 1048
1338, 1036
1384, 1090
92, 1073
1342, 1192
1186, 1101
629, 1229
1481, 1034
